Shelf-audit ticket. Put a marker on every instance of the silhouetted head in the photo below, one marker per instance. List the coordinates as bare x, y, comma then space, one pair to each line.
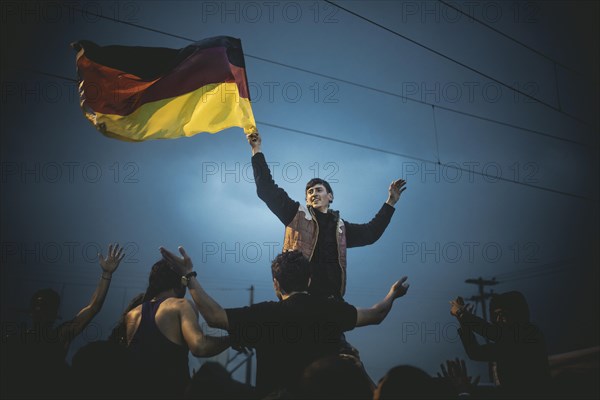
319, 194
44, 306
407, 382
509, 308
213, 381
336, 377
163, 278
291, 273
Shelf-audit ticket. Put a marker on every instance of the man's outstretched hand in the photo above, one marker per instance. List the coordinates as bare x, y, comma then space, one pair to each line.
395, 190
110, 263
399, 288
255, 142
182, 265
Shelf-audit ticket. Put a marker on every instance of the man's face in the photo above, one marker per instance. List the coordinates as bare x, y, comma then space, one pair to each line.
318, 198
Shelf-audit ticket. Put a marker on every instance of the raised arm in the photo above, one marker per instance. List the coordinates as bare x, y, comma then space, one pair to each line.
474, 350
364, 234
474, 323
255, 142
211, 311
274, 197
200, 345
69, 330
395, 190
377, 313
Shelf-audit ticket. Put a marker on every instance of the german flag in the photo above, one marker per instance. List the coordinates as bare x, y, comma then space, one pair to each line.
141, 93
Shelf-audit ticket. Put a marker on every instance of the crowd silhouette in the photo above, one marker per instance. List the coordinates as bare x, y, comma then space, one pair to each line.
299, 342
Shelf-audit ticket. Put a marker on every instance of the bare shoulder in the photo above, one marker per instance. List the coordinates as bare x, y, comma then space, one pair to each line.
173, 314
180, 305
175, 302
134, 314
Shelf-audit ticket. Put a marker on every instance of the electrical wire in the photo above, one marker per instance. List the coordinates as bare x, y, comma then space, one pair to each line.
533, 50
557, 264
444, 165
475, 70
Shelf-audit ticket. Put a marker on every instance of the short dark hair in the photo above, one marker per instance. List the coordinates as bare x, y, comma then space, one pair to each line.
317, 181
292, 271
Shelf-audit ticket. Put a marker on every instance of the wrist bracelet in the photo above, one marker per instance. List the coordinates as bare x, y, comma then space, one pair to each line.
185, 279
107, 278
191, 274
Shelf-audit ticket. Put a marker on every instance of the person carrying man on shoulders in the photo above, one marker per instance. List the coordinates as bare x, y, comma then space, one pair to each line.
290, 334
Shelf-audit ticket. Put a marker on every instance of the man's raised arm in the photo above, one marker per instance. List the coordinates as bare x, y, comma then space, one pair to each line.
200, 345
274, 197
211, 311
469, 322
476, 351
364, 234
377, 313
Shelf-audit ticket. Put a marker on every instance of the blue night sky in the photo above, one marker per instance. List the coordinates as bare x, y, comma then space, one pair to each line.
317, 73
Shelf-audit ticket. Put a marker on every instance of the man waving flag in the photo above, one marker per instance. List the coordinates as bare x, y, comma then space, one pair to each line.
141, 93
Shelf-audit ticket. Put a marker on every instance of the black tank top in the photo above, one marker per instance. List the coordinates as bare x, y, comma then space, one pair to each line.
162, 365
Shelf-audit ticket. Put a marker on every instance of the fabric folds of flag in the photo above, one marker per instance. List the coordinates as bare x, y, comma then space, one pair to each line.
141, 93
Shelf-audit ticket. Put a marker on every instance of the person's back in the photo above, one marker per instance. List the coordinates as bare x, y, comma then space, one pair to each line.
158, 349
160, 333
290, 334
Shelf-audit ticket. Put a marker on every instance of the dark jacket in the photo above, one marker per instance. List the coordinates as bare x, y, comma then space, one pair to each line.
302, 229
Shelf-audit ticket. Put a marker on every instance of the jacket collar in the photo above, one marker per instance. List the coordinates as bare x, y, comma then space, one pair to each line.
336, 213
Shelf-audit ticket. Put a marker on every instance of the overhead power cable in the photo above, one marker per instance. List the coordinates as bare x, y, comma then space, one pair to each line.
541, 274
365, 147
475, 70
537, 268
445, 165
498, 31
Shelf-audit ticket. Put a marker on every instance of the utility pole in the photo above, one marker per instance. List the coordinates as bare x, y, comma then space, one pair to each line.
249, 358
481, 298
